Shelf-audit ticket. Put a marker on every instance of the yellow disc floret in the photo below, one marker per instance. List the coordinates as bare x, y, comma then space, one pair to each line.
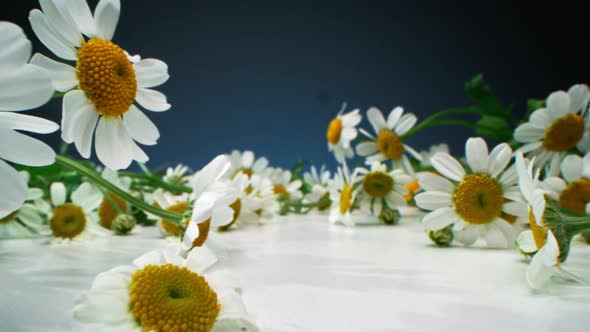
576, 196
106, 76
345, 199
171, 227
279, 189
334, 131
478, 199
237, 207
539, 232
107, 212
390, 145
564, 133
172, 298
68, 221
377, 184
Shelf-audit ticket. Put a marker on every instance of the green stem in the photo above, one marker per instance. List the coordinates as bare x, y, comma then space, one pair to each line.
100, 181
428, 121
453, 123
155, 182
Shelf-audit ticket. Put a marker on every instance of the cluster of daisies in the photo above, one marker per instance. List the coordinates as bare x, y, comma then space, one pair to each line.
531, 193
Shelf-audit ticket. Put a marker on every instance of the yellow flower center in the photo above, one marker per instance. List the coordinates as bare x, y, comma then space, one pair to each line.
9, 218
68, 221
564, 133
279, 189
334, 131
237, 207
576, 196
478, 199
377, 184
345, 199
244, 170
412, 188
390, 145
170, 227
204, 228
107, 212
539, 232
172, 298
106, 76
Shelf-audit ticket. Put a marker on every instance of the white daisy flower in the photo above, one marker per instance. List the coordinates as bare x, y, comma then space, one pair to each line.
281, 180
341, 132
259, 205
161, 291
212, 198
474, 203
315, 176
75, 220
552, 131
318, 180
245, 197
382, 189
434, 149
172, 203
572, 189
388, 144
176, 175
113, 205
23, 86
247, 164
103, 85
538, 240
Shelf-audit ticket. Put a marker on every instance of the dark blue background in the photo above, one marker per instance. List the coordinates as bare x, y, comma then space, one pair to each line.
269, 76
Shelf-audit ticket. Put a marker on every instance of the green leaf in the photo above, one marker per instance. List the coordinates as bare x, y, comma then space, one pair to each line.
534, 104
494, 128
479, 91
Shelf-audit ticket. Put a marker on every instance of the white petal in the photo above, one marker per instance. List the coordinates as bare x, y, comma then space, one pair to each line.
153, 257
222, 216
259, 165
540, 118
152, 100
87, 196
558, 104
58, 193
138, 154
499, 159
247, 159
113, 144
395, 200
476, 151
25, 150
495, 238
233, 315
24, 122
539, 272
572, 167
376, 119
413, 152
211, 172
58, 16
439, 219
49, 38
519, 209
527, 133
406, 123
579, 97
106, 17
432, 200
467, 236
16, 48
200, 259
434, 182
13, 191
62, 75
394, 117
106, 307
448, 166
150, 72
78, 122
25, 87
526, 242
140, 127
366, 148
82, 17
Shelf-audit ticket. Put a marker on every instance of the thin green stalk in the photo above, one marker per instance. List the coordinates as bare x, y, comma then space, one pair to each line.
428, 121
157, 183
100, 181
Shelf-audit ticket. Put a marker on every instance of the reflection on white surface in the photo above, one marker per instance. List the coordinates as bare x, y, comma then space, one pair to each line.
302, 274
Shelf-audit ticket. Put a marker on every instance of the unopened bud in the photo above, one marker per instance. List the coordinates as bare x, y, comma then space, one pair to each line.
389, 216
123, 224
442, 237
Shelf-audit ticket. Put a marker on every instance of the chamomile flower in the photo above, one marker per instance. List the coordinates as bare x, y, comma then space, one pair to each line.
246, 163
342, 194
553, 131
23, 86
104, 83
260, 204
161, 291
172, 203
315, 176
572, 190
432, 150
538, 240
382, 189
113, 205
388, 145
213, 198
74, 220
284, 186
474, 202
245, 198
176, 175
319, 191
341, 132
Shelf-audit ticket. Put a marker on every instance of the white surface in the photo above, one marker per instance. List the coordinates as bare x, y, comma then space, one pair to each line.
302, 274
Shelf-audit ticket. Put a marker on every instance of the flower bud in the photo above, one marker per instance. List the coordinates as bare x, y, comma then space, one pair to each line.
442, 237
390, 216
123, 224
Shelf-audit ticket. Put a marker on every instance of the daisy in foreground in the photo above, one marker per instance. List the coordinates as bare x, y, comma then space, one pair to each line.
104, 83
563, 125
388, 145
341, 132
164, 292
22, 86
474, 203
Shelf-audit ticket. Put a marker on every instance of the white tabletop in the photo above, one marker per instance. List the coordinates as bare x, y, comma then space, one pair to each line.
302, 274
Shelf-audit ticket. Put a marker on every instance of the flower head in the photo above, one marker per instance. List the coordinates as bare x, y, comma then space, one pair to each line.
103, 85
341, 132
246, 163
284, 185
381, 189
